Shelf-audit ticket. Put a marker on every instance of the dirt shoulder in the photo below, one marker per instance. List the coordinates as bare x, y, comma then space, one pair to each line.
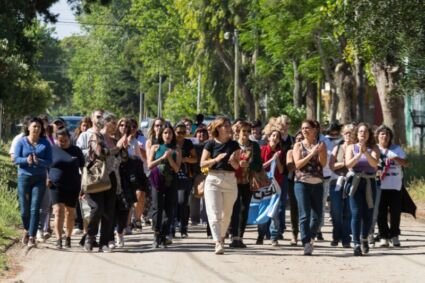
192, 259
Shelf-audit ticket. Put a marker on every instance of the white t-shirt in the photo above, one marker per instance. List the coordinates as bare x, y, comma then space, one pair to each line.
14, 142
393, 173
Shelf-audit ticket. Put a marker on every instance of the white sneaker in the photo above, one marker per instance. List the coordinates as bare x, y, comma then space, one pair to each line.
308, 249
120, 241
384, 243
111, 245
105, 249
40, 237
395, 241
219, 249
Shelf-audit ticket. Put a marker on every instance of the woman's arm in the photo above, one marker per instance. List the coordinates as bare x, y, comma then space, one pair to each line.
206, 162
175, 164
351, 159
151, 162
298, 160
373, 156
234, 159
290, 161
332, 162
192, 158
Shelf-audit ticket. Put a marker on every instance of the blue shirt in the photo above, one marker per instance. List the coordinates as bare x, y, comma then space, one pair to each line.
42, 150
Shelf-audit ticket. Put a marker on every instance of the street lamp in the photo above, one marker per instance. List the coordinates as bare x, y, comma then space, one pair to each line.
234, 36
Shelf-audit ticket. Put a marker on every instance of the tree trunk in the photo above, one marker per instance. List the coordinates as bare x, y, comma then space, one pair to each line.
345, 91
248, 99
387, 78
360, 87
297, 94
311, 100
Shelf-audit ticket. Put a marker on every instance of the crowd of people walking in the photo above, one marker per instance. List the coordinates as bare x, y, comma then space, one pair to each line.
106, 179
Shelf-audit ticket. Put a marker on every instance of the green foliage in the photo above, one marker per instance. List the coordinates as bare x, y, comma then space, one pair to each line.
9, 209
180, 103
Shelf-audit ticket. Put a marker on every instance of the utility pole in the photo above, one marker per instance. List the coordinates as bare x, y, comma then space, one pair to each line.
141, 105
198, 98
159, 96
235, 94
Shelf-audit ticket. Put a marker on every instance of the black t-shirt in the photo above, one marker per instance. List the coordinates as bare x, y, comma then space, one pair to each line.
215, 148
64, 171
186, 148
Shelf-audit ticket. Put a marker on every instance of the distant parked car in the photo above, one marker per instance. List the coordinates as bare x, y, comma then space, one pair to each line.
72, 122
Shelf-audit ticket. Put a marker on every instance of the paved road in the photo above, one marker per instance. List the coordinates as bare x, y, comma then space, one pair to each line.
192, 260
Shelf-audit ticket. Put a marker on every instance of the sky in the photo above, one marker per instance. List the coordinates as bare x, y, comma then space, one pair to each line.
65, 14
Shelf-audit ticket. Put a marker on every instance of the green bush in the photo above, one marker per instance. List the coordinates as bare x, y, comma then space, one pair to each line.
9, 208
414, 176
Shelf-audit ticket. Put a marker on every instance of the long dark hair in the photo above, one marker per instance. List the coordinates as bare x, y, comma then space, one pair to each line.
36, 120
173, 140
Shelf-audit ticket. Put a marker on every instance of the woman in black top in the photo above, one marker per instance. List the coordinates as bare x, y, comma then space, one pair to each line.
65, 184
184, 177
221, 156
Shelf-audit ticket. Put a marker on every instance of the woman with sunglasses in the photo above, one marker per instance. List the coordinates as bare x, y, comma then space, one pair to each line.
221, 156
184, 176
137, 177
250, 160
153, 133
164, 161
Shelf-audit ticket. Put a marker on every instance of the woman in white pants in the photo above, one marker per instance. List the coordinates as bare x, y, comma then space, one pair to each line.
221, 156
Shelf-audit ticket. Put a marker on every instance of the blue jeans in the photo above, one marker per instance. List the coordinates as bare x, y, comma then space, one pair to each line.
361, 214
310, 208
31, 190
341, 215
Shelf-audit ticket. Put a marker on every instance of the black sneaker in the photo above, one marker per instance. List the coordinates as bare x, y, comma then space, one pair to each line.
234, 244
259, 241
357, 250
242, 245
68, 242
59, 244
88, 247
365, 247
319, 236
334, 243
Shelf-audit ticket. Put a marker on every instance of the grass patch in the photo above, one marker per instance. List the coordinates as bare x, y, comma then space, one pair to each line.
9, 208
415, 177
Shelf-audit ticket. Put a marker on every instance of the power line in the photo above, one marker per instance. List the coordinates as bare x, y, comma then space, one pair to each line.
67, 22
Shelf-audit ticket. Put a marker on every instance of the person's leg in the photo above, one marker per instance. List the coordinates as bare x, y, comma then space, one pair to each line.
377, 200
294, 212
69, 220
282, 209
214, 206
24, 194
108, 217
304, 211
79, 222
356, 202
45, 207
246, 200
346, 222
235, 218
139, 206
96, 203
326, 185
59, 213
316, 199
336, 213
37, 194
170, 203
229, 195
395, 212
